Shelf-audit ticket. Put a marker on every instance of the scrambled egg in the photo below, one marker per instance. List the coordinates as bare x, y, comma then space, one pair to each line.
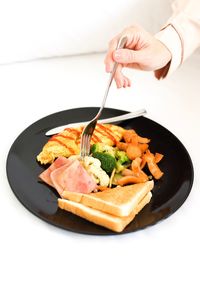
67, 142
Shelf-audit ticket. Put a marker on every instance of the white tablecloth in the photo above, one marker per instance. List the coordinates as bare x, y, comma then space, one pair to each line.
40, 261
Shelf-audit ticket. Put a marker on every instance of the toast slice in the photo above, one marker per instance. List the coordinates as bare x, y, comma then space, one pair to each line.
109, 221
119, 201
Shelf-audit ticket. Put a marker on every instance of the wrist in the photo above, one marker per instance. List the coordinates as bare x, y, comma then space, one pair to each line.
171, 40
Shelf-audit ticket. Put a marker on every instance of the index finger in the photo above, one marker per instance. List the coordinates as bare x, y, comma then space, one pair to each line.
109, 62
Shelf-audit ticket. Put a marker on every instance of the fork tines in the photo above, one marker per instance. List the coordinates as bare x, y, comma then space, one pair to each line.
85, 145
86, 137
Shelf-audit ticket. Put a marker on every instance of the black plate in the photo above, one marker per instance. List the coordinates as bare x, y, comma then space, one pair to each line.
169, 193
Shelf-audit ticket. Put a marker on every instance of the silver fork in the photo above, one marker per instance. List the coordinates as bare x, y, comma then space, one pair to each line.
89, 128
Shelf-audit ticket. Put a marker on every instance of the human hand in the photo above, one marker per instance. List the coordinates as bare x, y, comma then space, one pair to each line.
142, 51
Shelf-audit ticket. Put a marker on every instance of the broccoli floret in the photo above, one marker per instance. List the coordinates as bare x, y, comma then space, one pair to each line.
119, 167
98, 147
103, 148
122, 161
122, 157
108, 162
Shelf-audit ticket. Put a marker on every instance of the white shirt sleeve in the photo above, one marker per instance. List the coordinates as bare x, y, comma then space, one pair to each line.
181, 34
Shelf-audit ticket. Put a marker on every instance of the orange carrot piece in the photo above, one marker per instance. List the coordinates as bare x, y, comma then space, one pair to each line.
131, 179
155, 170
143, 163
133, 151
102, 188
153, 167
158, 157
135, 175
130, 136
143, 147
122, 146
127, 172
143, 140
135, 165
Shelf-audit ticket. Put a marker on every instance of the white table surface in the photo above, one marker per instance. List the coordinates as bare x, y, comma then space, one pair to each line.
40, 261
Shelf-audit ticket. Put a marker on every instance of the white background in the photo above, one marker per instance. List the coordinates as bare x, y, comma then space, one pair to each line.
39, 261
43, 28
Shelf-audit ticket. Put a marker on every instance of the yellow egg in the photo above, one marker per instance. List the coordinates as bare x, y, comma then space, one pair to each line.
67, 142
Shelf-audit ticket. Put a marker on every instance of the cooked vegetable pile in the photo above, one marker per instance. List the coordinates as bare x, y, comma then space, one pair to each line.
124, 163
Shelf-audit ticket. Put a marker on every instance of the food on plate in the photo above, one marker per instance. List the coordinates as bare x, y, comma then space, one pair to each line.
94, 168
118, 201
152, 161
108, 162
70, 175
131, 200
111, 185
59, 162
67, 142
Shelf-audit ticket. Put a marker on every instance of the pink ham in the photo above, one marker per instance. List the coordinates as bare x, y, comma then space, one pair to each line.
59, 162
73, 178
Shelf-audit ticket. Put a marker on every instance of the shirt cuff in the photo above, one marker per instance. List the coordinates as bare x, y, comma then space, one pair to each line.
172, 40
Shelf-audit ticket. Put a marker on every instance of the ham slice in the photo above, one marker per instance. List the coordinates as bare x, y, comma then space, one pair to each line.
69, 175
59, 162
73, 178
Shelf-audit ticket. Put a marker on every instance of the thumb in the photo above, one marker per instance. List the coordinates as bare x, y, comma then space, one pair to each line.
126, 56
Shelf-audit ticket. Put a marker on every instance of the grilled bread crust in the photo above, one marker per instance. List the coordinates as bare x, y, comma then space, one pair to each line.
106, 220
118, 201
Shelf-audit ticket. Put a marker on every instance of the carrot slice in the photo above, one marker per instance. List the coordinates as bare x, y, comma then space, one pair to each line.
127, 172
153, 167
102, 188
135, 165
133, 151
158, 157
131, 179
143, 140
143, 163
130, 136
122, 146
155, 170
143, 147
135, 175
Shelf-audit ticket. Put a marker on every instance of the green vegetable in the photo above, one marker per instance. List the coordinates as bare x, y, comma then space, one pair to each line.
122, 161
122, 157
98, 147
119, 167
103, 148
116, 177
108, 161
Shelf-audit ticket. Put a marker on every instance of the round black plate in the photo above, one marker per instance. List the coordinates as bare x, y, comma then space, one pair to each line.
169, 192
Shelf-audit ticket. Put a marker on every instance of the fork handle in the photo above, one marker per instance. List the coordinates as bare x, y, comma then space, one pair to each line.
121, 43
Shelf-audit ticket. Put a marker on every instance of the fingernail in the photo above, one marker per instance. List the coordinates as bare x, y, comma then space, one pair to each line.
108, 68
119, 84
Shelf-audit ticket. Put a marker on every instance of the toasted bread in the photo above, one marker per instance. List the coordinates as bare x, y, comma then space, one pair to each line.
119, 201
109, 221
